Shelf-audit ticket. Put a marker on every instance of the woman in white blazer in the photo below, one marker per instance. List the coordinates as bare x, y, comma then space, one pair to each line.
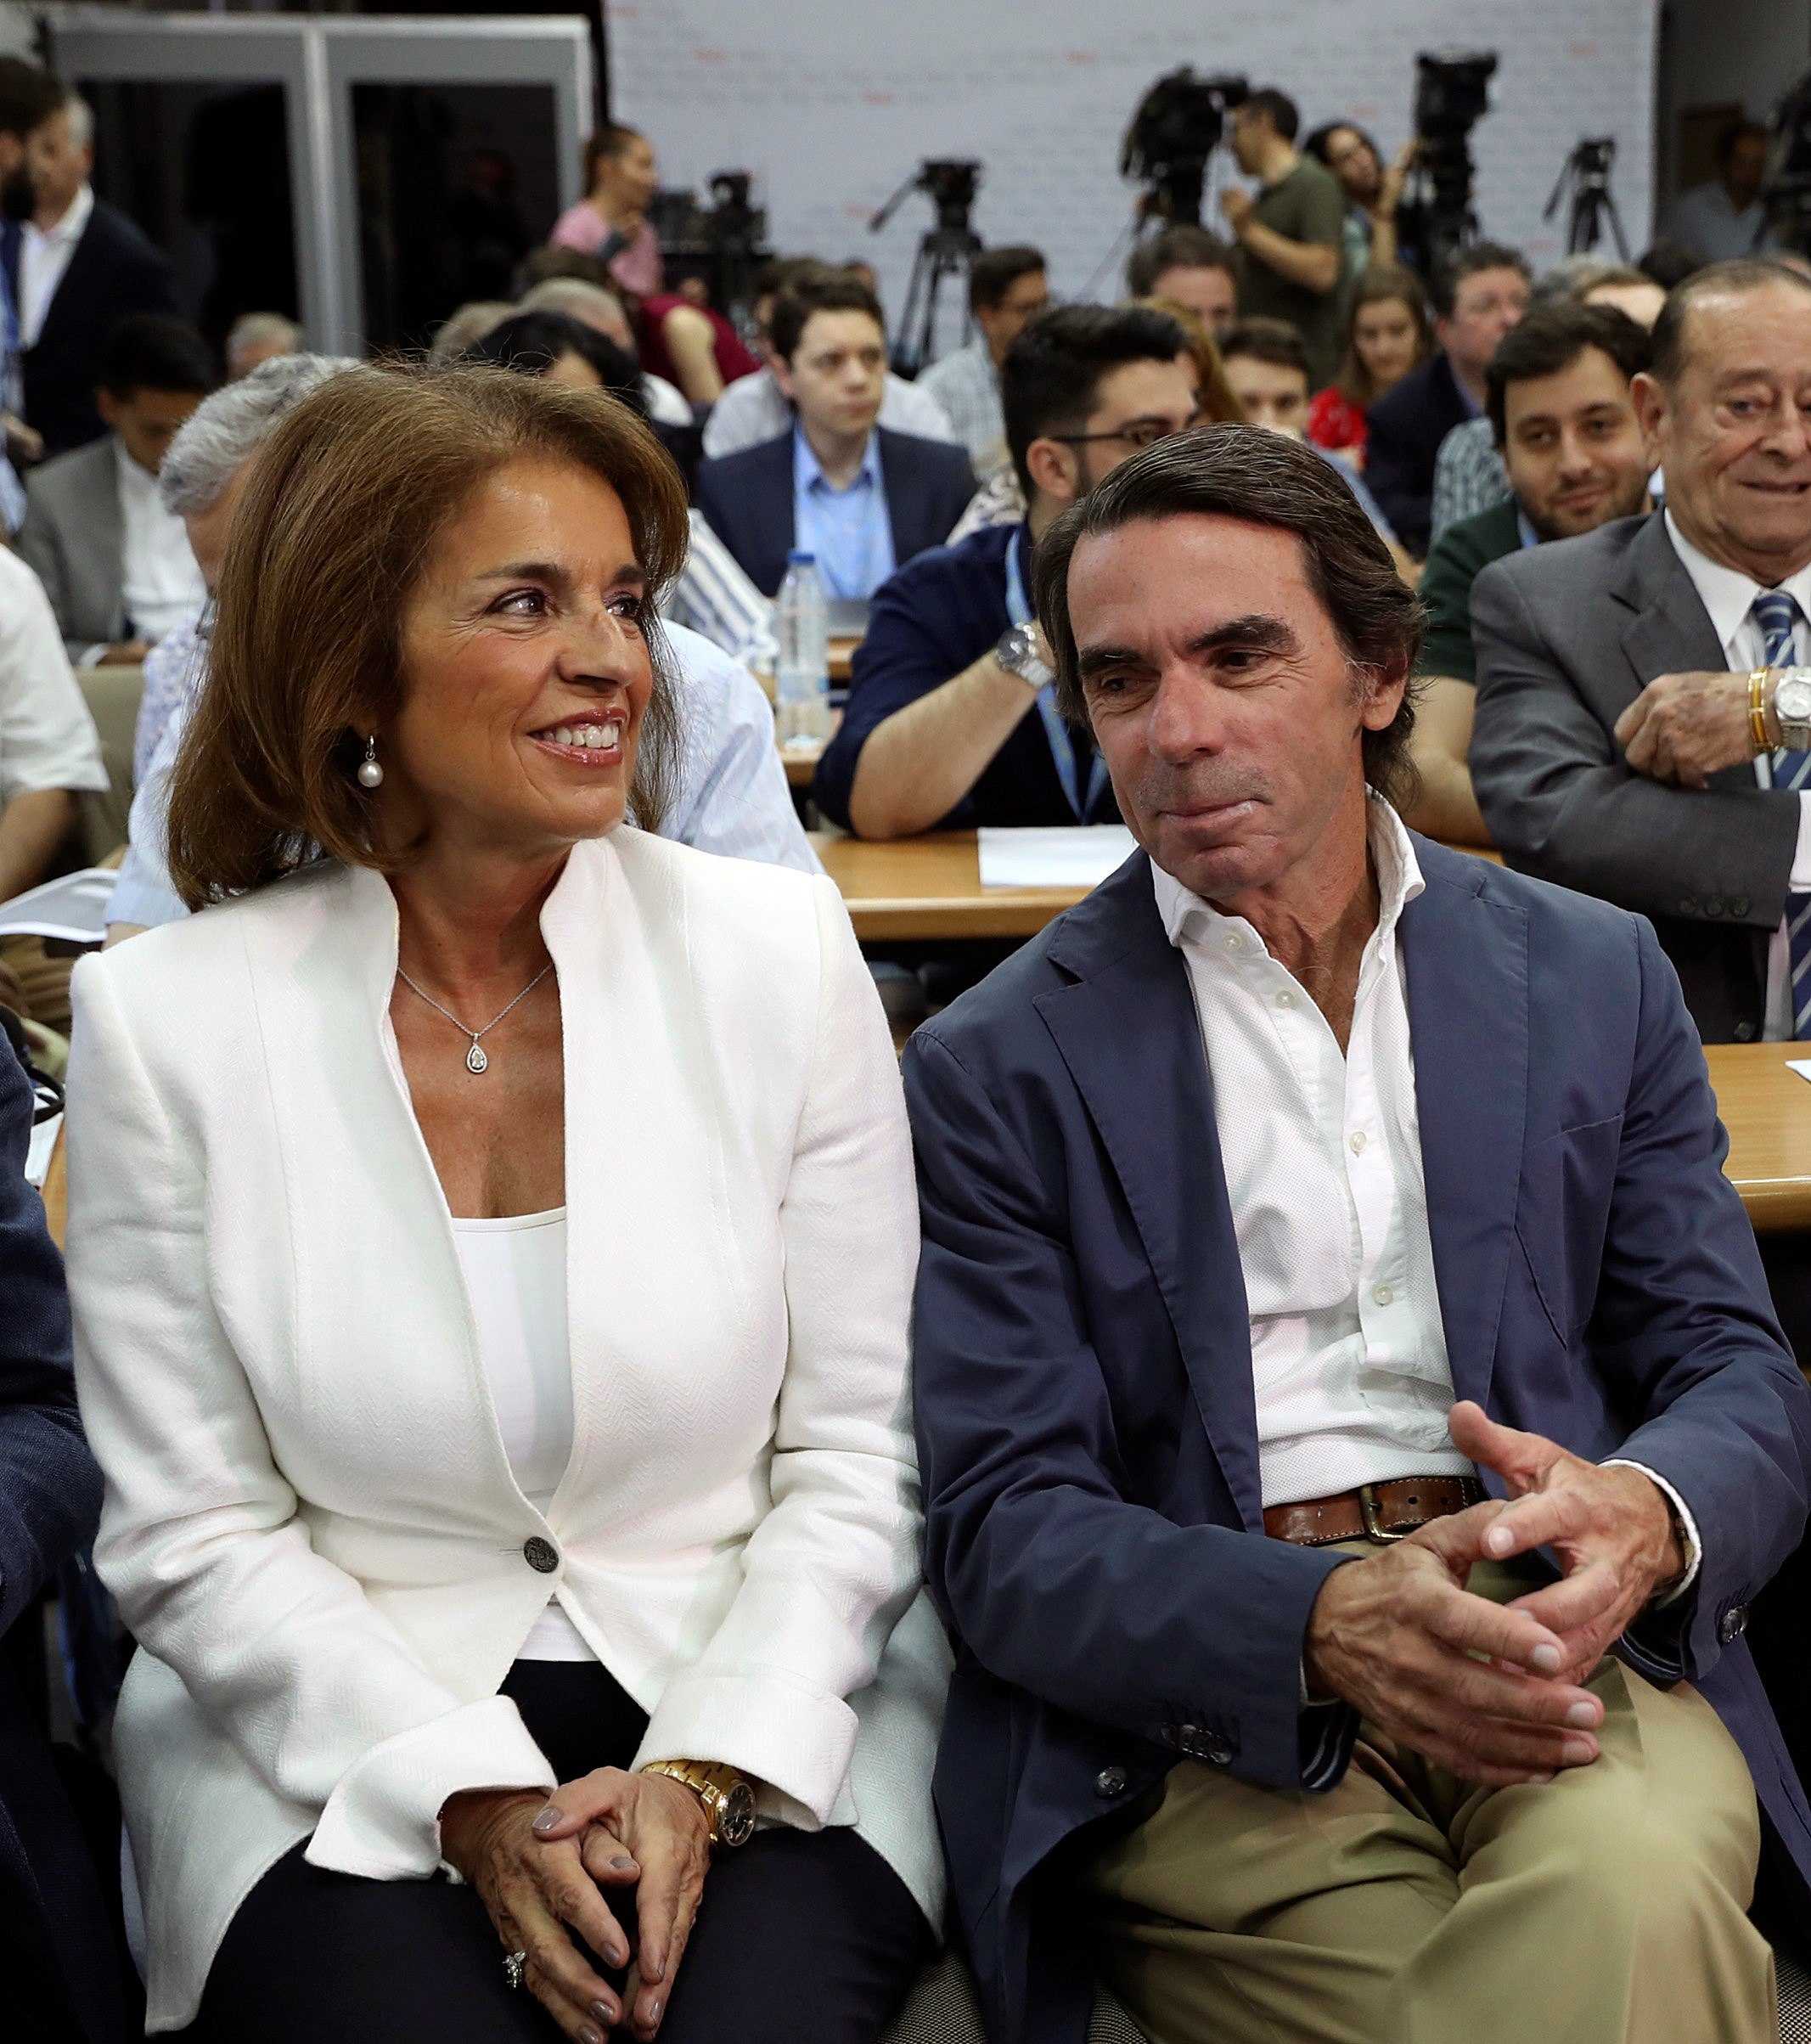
491, 1234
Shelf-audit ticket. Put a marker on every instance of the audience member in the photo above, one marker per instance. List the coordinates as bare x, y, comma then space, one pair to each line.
1723, 217
1477, 298
1387, 336
664, 1549
1304, 1175
754, 409
79, 267
601, 309
1670, 262
255, 338
115, 565
1561, 407
27, 96
940, 726
562, 349
1007, 286
1630, 290
465, 328
1629, 741
1291, 235
65, 1978
861, 499
1195, 269
611, 221
691, 346
1372, 189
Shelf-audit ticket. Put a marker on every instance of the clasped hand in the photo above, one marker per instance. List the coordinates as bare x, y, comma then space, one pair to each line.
541, 1868
1493, 1692
1683, 728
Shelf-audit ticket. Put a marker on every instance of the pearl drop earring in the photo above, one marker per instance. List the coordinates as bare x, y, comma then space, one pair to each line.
370, 773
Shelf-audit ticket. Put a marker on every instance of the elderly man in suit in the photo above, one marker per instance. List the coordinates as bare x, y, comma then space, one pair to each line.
1352, 1420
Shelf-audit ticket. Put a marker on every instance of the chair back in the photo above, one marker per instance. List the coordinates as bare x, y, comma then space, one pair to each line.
112, 695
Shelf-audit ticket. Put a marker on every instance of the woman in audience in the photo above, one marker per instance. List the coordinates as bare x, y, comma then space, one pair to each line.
490, 1232
1387, 335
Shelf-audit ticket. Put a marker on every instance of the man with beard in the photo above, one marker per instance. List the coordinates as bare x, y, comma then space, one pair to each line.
1564, 421
27, 95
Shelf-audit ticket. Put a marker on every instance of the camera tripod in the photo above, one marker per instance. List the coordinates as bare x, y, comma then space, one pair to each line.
944, 252
1587, 169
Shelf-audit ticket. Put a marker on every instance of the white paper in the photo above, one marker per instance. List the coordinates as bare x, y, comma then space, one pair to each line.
1802, 1065
1078, 856
73, 908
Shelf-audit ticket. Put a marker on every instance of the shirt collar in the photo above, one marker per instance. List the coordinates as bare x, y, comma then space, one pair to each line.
807, 471
1726, 592
75, 220
1393, 853
132, 477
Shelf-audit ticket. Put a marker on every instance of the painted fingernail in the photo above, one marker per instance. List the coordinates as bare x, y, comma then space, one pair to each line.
1585, 1715
1576, 1752
605, 2012
586, 2035
616, 1955
1546, 1659
547, 1820
623, 1863
654, 2014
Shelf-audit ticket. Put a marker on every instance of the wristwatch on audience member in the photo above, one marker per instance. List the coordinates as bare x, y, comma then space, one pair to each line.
729, 1800
1791, 708
1017, 652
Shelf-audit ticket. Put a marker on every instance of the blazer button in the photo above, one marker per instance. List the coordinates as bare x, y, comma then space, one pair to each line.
1688, 908
1109, 1781
1733, 1624
1739, 905
541, 1556
1218, 1753
1745, 1032
1714, 905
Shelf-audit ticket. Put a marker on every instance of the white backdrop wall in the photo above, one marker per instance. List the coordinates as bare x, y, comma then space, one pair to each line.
832, 102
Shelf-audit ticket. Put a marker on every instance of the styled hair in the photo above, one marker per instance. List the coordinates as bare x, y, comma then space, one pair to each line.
152, 352
1272, 340
1214, 395
339, 520
532, 342
224, 431
28, 97
253, 330
611, 140
1380, 284
994, 271
1443, 286
1551, 338
1284, 116
1265, 479
573, 295
1052, 371
820, 290
1715, 280
1182, 247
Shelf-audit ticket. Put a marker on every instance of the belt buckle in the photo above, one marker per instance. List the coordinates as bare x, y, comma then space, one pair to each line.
1368, 1511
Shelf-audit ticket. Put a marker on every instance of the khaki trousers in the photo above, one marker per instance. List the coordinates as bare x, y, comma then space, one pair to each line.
1408, 1907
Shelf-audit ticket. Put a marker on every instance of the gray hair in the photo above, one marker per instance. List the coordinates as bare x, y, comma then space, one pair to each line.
227, 429
253, 330
80, 120
575, 295
465, 329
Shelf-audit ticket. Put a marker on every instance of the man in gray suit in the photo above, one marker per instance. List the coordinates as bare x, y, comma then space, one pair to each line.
115, 565
1642, 731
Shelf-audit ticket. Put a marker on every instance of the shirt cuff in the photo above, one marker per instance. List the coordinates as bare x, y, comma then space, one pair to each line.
1799, 880
1687, 1524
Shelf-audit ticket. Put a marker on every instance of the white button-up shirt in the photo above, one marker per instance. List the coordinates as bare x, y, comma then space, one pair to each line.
161, 585
43, 256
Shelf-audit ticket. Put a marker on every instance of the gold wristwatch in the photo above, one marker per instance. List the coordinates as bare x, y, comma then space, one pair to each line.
729, 1800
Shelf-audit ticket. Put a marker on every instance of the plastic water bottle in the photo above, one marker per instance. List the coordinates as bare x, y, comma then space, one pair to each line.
802, 625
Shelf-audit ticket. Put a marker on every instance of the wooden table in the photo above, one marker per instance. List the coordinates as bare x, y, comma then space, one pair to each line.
1767, 1111
927, 888
841, 654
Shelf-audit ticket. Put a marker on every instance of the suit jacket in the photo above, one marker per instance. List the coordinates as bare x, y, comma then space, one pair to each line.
1407, 425
75, 540
114, 270
1083, 1363
61, 1966
1567, 636
310, 1524
748, 499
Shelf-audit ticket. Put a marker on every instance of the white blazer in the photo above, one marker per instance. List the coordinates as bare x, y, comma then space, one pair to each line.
311, 1525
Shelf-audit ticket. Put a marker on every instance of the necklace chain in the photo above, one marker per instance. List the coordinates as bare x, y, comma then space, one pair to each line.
476, 1059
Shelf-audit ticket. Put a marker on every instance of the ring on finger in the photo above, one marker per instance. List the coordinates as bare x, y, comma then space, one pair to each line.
515, 1965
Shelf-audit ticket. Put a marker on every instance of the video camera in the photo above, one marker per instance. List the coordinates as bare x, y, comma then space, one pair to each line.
1176, 128
1452, 94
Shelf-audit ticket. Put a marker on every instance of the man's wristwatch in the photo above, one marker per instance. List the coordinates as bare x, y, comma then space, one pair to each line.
1017, 652
1792, 707
729, 1801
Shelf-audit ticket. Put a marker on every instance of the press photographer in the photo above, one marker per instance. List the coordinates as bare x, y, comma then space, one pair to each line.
1290, 235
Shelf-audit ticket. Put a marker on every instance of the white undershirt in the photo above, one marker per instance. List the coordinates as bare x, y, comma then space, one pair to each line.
43, 256
515, 1272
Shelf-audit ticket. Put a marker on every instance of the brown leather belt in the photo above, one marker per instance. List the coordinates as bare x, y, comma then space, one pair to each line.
1375, 1512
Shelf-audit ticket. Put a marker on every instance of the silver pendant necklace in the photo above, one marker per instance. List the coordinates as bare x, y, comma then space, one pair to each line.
476, 1059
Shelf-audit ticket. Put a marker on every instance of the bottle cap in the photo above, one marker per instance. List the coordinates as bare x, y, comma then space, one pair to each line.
798, 558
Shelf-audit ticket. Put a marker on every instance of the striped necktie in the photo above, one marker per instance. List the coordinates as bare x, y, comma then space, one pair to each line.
1777, 613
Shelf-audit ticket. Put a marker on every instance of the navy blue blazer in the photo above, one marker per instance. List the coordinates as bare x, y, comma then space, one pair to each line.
748, 498
61, 1966
1084, 1371
1407, 425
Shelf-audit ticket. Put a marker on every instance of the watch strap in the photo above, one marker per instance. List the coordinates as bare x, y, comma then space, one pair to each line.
1757, 710
709, 1781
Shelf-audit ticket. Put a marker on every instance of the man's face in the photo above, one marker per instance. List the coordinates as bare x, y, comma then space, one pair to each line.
1210, 294
147, 421
57, 166
1251, 133
1734, 431
1576, 453
1353, 161
1223, 702
1272, 393
837, 375
1746, 172
631, 178
1136, 404
1486, 306
1002, 323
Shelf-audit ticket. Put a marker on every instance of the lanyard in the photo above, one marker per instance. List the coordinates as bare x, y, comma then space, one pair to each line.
1062, 747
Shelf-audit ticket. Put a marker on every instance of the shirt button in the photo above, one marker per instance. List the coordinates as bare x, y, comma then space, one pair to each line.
1285, 999
1110, 1782
541, 1556
1359, 1141
1382, 1294
1233, 942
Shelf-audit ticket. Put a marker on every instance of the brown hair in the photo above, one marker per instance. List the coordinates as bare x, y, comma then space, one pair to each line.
1266, 479
338, 520
611, 141
1379, 285
1218, 404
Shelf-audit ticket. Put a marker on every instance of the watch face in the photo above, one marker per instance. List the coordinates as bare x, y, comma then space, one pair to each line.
735, 1826
1792, 697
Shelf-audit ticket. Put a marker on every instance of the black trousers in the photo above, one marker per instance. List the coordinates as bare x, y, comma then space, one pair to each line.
802, 1938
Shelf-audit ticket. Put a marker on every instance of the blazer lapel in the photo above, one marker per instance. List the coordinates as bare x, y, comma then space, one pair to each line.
1468, 1018
1128, 1033
1670, 631
899, 478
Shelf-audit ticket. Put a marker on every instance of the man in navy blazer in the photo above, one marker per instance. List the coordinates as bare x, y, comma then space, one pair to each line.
60, 1971
1352, 1420
861, 499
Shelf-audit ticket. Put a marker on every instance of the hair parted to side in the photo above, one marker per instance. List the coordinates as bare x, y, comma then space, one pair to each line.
1264, 478
339, 516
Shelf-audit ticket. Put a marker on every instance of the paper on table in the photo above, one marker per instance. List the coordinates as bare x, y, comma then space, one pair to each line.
1078, 856
1802, 1065
73, 908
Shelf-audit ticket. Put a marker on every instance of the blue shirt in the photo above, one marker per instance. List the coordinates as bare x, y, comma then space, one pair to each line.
849, 531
